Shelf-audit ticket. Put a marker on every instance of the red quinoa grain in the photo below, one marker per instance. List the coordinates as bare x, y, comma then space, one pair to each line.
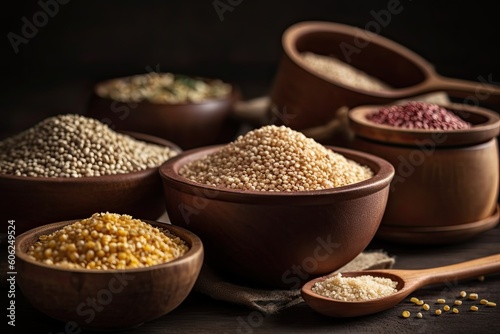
418, 115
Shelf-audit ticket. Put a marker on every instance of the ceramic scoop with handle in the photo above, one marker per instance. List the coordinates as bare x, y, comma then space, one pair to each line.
408, 281
306, 98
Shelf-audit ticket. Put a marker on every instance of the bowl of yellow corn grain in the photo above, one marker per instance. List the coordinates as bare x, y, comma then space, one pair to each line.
275, 208
109, 271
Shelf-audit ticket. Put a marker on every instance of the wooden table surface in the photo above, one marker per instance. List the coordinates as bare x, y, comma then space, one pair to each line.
202, 314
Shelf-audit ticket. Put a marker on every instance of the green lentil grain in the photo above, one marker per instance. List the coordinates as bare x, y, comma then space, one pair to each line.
162, 88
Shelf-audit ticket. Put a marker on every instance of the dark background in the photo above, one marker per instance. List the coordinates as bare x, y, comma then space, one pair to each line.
86, 41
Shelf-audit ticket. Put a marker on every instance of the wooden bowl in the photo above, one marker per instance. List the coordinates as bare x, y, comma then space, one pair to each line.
446, 182
303, 98
107, 299
34, 201
278, 239
188, 125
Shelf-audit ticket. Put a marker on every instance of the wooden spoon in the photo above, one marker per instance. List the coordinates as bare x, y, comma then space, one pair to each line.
408, 281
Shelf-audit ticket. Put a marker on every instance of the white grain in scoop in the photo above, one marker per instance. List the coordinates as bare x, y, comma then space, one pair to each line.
336, 69
365, 287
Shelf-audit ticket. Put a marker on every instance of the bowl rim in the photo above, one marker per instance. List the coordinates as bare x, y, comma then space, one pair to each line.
195, 249
476, 134
232, 96
302, 29
381, 178
102, 178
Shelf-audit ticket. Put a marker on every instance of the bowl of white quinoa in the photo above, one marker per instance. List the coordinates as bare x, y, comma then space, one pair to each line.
70, 166
275, 208
188, 110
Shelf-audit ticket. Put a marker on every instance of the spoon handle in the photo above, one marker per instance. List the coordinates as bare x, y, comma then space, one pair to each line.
472, 92
463, 270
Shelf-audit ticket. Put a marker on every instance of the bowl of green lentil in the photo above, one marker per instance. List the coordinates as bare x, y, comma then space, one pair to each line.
445, 187
187, 110
275, 208
70, 166
108, 271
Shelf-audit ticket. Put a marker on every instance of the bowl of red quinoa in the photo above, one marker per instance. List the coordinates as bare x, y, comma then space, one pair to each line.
275, 208
108, 271
70, 166
447, 167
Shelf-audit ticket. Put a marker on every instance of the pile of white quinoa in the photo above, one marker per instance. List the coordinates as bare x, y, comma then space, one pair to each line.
275, 158
365, 287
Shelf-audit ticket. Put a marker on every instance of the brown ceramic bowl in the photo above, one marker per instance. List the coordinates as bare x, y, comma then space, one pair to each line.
446, 184
303, 98
34, 201
188, 125
278, 239
121, 298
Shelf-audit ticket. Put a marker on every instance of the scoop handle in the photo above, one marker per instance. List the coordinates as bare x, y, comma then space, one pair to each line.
459, 271
472, 92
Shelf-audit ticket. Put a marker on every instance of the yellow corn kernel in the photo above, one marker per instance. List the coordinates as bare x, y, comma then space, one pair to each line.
122, 232
455, 310
441, 301
473, 296
483, 302
414, 299
47, 253
406, 314
52, 243
426, 307
419, 315
420, 303
463, 294
474, 308
438, 312
491, 304
446, 308
89, 255
457, 302
90, 244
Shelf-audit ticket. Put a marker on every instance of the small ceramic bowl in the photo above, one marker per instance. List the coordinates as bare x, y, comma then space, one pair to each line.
303, 98
189, 125
446, 184
35, 201
278, 239
107, 299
